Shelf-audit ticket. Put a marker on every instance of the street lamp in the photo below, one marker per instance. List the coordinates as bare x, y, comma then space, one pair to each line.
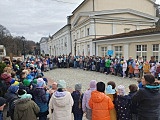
23, 40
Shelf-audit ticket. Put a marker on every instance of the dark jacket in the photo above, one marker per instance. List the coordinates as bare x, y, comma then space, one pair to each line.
123, 106
133, 105
25, 109
1, 115
41, 98
77, 106
148, 99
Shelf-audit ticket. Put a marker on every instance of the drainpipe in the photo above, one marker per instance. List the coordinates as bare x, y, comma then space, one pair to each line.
94, 25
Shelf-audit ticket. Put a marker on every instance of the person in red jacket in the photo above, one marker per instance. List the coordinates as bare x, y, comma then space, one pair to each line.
100, 103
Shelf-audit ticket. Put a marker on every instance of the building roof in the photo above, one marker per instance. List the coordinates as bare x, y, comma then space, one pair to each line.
43, 39
132, 33
84, 1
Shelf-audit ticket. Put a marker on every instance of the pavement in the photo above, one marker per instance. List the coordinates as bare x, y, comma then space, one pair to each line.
73, 76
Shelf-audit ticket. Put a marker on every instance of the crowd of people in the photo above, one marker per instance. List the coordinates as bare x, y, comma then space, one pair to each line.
109, 65
25, 91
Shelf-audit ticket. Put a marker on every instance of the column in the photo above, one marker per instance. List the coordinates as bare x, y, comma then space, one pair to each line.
91, 48
126, 51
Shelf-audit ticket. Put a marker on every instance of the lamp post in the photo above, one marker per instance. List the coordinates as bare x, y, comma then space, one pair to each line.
23, 40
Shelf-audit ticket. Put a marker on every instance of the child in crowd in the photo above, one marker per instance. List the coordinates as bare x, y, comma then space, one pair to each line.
133, 89
153, 69
124, 68
146, 68
136, 70
131, 70
111, 92
86, 98
100, 103
123, 104
77, 96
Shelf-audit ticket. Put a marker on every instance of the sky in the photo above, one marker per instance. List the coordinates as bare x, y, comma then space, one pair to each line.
34, 19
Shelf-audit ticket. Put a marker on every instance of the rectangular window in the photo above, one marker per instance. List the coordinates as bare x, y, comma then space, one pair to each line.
155, 49
103, 51
141, 51
88, 31
118, 51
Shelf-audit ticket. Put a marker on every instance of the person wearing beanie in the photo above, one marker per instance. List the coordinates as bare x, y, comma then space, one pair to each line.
100, 103
85, 106
61, 103
77, 96
111, 92
25, 108
148, 98
2, 104
41, 82
122, 104
10, 97
41, 98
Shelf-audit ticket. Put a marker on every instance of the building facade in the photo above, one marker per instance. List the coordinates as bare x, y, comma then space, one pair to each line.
145, 43
44, 48
94, 19
61, 42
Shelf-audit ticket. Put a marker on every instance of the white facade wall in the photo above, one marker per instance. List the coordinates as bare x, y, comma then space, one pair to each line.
44, 46
61, 42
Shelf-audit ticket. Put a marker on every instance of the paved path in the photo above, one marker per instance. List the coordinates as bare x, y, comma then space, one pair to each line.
73, 76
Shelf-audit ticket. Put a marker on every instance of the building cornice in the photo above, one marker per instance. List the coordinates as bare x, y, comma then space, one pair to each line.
129, 39
97, 14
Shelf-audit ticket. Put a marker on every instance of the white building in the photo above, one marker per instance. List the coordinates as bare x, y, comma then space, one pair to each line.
60, 42
94, 19
44, 48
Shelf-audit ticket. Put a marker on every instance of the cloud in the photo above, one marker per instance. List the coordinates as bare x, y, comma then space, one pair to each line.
35, 18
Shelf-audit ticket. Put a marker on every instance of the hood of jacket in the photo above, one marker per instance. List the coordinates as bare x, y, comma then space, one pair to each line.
154, 88
6, 77
61, 98
22, 104
97, 96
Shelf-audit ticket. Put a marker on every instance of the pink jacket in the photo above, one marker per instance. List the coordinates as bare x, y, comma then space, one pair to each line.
86, 98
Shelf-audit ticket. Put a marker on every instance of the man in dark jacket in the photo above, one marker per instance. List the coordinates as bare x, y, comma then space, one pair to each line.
148, 99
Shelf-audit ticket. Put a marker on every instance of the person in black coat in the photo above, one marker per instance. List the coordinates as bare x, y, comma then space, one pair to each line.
77, 106
148, 99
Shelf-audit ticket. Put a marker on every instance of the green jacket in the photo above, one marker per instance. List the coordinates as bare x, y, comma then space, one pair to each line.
25, 109
108, 63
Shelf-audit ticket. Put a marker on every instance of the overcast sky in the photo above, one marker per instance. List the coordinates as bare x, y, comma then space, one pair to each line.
34, 19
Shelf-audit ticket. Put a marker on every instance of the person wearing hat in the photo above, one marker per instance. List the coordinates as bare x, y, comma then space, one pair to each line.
25, 108
77, 96
86, 97
148, 98
41, 98
10, 97
111, 92
61, 103
122, 104
2, 104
